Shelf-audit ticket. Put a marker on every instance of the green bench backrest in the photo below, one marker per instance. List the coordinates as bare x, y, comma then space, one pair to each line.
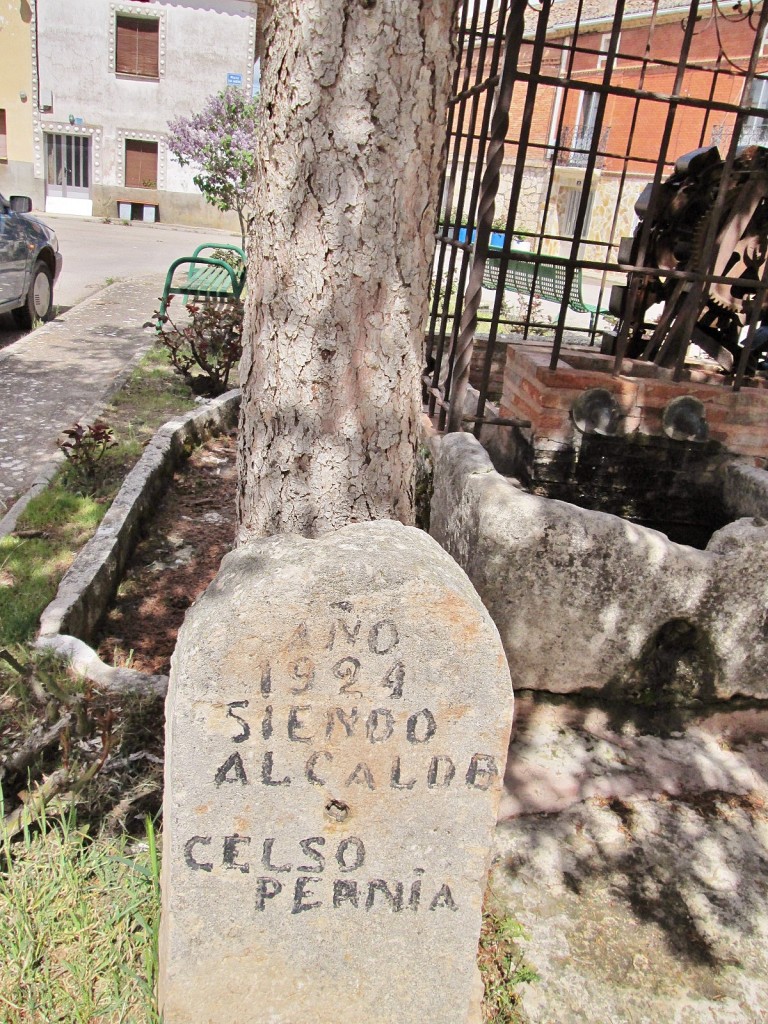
209, 277
545, 280
215, 278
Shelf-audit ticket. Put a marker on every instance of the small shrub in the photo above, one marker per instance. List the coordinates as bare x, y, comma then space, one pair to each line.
516, 309
211, 342
85, 446
502, 965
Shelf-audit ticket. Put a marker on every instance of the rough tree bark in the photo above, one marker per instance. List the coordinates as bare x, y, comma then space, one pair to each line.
354, 96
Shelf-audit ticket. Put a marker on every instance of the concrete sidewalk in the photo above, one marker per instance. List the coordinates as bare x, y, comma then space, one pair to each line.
64, 372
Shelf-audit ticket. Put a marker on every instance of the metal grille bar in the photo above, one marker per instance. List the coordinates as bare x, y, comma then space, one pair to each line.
548, 153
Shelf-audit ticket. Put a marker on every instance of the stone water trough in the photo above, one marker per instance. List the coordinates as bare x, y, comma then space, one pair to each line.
632, 841
590, 602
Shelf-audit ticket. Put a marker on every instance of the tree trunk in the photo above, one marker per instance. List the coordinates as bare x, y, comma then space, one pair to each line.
354, 96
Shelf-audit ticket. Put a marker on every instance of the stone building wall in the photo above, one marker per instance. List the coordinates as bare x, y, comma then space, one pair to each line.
201, 49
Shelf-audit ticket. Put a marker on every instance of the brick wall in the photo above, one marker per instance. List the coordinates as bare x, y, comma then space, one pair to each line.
737, 420
645, 121
638, 472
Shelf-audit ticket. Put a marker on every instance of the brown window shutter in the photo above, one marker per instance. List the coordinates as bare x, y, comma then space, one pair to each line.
137, 46
125, 56
140, 163
147, 48
3, 137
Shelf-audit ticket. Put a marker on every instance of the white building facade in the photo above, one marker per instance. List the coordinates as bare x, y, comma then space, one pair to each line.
108, 76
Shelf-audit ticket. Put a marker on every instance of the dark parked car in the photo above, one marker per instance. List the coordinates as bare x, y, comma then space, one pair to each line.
30, 262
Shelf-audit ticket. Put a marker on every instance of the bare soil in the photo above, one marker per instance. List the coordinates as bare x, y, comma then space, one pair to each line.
180, 553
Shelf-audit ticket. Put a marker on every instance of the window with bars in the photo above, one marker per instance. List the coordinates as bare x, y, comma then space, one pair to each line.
137, 45
755, 129
140, 164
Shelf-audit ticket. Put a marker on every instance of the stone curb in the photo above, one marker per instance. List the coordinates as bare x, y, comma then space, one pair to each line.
141, 225
47, 472
67, 624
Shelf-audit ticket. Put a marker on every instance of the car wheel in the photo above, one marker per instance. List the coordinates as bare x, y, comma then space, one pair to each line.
38, 304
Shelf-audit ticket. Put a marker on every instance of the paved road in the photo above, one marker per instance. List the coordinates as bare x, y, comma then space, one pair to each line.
96, 254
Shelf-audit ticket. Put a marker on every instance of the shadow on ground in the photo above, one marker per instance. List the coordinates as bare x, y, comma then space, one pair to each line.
637, 861
11, 332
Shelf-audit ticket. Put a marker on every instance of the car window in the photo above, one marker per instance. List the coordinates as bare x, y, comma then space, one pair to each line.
11, 228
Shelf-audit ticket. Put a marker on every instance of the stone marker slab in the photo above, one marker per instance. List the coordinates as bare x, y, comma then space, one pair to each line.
337, 725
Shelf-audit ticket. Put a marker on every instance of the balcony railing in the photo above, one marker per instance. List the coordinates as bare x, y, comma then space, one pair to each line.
575, 143
753, 133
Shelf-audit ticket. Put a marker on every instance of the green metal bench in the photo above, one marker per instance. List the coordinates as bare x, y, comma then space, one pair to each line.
545, 280
206, 278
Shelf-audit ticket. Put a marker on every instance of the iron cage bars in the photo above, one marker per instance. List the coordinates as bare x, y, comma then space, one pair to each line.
465, 227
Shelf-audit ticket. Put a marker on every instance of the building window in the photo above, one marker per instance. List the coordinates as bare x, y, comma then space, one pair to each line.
584, 133
755, 129
140, 164
3, 137
137, 47
605, 42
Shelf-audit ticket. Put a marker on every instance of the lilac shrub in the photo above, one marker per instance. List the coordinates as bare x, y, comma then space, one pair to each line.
221, 141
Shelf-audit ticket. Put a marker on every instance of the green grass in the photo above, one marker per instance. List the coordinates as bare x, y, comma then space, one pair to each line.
78, 910
152, 395
502, 965
78, 927
34, 558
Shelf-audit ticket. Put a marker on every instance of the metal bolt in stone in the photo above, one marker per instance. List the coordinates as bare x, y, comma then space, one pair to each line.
337, 810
